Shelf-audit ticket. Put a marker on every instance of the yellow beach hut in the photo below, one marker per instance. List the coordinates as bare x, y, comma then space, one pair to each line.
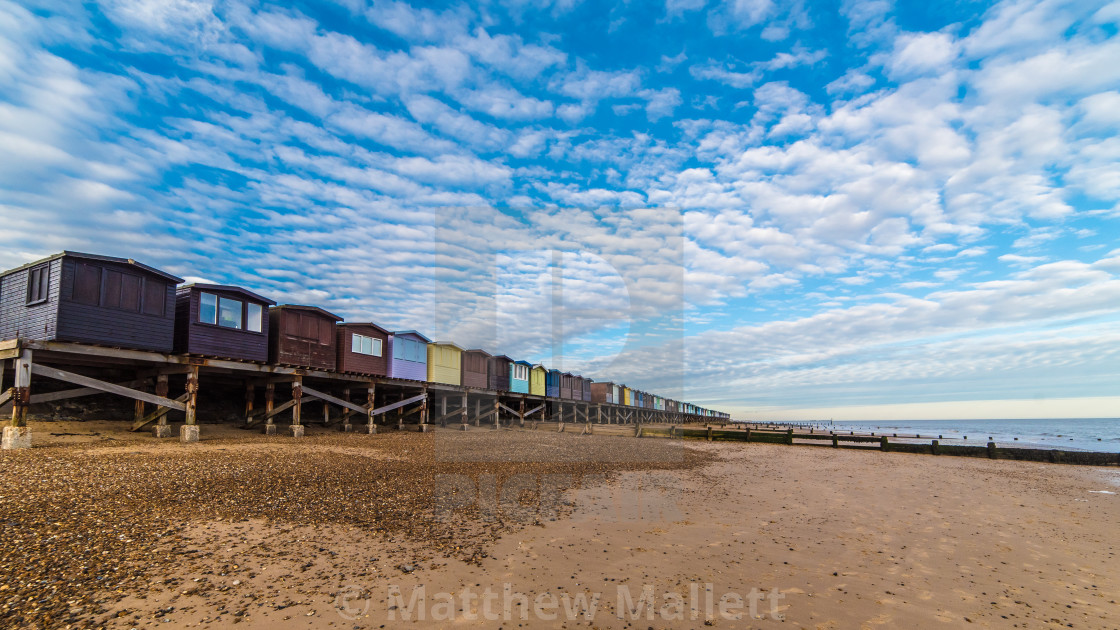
536, 380
445, 363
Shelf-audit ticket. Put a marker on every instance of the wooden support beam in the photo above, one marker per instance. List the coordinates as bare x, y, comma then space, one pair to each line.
78, 379
192, 396
80, 391
535, 409
297, 396
506, 408
450, 414
398, 405
21, 389
269, 402
159, 414
6, 396
250, 395
312, 393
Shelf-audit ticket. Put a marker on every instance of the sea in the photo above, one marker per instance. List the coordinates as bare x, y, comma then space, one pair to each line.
1082, 434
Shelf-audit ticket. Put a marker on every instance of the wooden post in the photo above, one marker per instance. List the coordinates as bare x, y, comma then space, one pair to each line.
789, 436
371, 391
138, 405
884, 444
346, 410
443, 411
521, 414
192, 395
935, 446
478, 412
297, 395
400, 413
709, 433
497, 408
465, 415
21, 389
599, 414
161, 429
326, 413
269, 403
836, 441
250, 394
424, 411
991, 450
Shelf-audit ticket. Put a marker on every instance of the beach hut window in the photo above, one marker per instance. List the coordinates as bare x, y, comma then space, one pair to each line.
38, 280
229, 313
521, 372
366, 345
255, 317
208, 308
87, 284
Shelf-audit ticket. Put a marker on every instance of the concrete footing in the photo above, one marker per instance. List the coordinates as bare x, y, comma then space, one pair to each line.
270, 429
297, 430
464, 427
425, 428
161, 431
346, 428
188, 433
371, 429
16, 437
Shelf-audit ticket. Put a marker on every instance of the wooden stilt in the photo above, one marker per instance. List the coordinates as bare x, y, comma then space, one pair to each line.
192, 396
465, 414
345, 411
297, 394
478, 412
371, 393
521, 414
21, 389
250, 394
269, 406
443, 411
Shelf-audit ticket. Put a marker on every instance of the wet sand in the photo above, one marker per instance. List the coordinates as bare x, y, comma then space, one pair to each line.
822, 538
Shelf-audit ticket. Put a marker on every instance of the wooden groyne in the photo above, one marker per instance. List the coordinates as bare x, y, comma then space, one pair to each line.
850, 440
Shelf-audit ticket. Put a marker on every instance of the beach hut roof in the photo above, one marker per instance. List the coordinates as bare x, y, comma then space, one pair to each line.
229, 288
370, 324
448, 343
411, 332
98, 257
310, 309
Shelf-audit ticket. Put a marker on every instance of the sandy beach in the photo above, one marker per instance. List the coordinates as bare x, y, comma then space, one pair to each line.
535, 529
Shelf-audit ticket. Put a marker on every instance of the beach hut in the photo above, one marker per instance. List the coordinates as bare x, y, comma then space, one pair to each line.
499, 372
585, 389
87, 298
476, 369
519, 376
624, 398
221, 321
445, 363
362, 348
408, 352
552, 384
302, 336
537, 380
604, 393
567, 385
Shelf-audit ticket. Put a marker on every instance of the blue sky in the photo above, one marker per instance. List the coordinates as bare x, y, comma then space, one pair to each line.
777, 209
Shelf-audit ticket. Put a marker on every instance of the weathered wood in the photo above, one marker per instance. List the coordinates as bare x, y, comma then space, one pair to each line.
506, 408
80, 391
454, 412
397, 405
158, 414
192, 396
313, 393
535, 410
297, 396
78, 379
21, 389
6, 396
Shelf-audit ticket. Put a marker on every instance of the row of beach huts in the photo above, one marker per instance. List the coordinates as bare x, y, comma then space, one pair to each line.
118, 302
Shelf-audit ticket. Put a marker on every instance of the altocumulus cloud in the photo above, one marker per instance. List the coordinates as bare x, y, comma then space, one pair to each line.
907, 208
